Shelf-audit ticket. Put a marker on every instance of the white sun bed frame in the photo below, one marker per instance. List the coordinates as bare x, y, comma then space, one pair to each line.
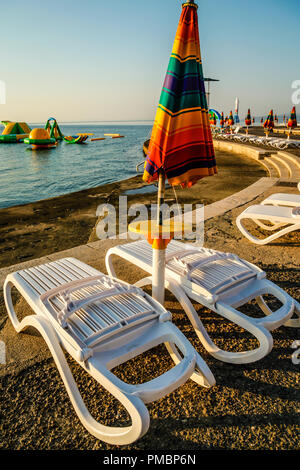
103, 322
221, 282
280, 218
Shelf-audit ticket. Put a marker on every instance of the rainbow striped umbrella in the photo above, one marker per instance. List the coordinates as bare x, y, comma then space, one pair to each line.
292, 123
213, 120
269, 122
181, 142
222, 120
181, 146
248, 120
230, 119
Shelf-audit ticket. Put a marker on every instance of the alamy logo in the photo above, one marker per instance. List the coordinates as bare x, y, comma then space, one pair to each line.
296, 354
2, 353
296, 94
114, 220
2, 92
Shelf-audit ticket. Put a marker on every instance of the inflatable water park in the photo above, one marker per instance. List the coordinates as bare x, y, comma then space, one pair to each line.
76, 139
14, 132
44, 138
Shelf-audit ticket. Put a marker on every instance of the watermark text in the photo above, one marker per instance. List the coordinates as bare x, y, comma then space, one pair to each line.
2, 92
2, 353
113, 221
296, 93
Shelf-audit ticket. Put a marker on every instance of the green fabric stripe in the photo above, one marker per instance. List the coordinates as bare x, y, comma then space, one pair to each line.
182, 102
175, 66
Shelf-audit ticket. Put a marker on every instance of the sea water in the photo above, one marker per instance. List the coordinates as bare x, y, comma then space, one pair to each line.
31, 175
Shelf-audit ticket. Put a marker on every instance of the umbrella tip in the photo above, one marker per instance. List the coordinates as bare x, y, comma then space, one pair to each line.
189, 2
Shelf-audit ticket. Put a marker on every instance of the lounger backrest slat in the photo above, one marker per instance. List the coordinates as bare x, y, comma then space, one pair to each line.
36, 284
52, 279
77, 268
69, 272
92, 317
107, 333
101, 308
217, 273
40, 285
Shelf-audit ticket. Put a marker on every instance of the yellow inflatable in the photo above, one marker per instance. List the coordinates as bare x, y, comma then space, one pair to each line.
40, 139
14, 132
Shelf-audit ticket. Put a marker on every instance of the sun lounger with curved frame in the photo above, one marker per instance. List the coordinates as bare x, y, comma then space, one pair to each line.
282, 219
103, 322
219, 281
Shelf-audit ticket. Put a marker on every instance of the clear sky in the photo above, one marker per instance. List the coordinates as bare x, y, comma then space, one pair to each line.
106, 59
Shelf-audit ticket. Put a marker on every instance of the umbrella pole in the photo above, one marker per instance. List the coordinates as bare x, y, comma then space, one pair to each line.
158, 258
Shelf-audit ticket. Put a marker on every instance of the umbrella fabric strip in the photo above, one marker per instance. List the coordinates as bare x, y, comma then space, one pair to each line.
181, 141
269, 122
292, 122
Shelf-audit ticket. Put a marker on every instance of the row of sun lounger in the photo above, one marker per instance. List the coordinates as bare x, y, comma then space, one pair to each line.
273, 142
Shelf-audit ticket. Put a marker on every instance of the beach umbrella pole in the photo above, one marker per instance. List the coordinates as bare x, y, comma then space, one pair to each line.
158, 247
189, 157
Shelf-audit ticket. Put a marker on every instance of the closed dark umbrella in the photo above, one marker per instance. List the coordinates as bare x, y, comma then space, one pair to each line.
292, 122
248, 120
269, 123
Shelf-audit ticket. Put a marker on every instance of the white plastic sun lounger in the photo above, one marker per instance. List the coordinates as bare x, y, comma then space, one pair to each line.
103, 322
282, 219
294, 143
221, 282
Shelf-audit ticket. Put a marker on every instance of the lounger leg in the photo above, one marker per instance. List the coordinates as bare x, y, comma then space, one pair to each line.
295, 322
261, 334
204, 376
109, 265
135, 407
271, 228
291, 322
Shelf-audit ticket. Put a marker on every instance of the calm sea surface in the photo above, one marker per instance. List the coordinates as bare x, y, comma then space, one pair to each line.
30, 175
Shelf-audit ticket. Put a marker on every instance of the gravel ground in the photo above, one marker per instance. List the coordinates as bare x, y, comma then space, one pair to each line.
253, 406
